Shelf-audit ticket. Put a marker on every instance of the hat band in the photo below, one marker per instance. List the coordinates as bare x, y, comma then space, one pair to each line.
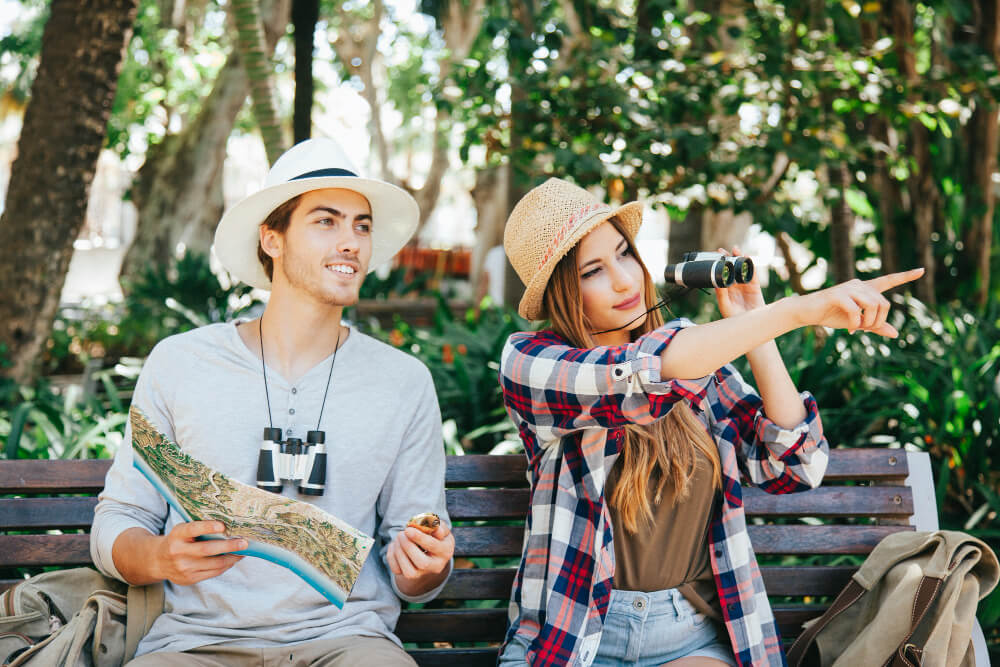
568, 226
324, 172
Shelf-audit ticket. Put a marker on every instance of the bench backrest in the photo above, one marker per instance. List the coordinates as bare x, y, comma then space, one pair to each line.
866, 495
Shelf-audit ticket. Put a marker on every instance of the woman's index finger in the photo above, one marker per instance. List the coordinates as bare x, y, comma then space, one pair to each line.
890, 280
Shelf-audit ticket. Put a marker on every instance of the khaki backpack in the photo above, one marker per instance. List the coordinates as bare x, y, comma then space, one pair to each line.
912, 602
75, 618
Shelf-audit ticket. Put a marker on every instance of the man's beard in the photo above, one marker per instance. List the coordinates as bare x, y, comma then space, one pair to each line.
298, 277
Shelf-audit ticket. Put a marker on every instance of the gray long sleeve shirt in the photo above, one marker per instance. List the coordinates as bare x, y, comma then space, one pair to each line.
204, 389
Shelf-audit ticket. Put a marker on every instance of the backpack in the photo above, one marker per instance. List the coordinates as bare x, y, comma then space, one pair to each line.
912, 602
75, 618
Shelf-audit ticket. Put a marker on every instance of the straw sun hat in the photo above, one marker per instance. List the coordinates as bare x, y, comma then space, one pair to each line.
313, 164
546, 224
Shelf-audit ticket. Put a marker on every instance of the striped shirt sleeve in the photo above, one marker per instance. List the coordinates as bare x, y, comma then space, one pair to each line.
776, 459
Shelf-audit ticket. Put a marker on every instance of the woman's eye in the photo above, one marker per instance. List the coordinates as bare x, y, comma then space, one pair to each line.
325, 221
626, 252
591, 273
364, 227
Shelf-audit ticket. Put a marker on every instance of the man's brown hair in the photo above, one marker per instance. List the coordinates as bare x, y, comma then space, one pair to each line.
277, 220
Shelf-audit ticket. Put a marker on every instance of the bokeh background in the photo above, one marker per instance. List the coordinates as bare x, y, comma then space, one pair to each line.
831, 139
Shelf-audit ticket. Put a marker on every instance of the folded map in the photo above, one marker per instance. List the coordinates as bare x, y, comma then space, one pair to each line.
322, 549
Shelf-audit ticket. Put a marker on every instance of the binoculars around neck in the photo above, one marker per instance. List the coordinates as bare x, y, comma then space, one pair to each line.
292, 461
709, 269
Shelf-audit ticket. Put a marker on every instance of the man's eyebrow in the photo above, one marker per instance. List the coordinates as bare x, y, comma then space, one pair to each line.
337, 214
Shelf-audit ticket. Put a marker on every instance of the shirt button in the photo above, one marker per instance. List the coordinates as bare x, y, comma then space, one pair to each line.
618, 372
294, 390
291, 411
718, 553
638, 603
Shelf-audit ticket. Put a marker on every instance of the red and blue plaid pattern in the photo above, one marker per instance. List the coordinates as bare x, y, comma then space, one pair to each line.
570, 406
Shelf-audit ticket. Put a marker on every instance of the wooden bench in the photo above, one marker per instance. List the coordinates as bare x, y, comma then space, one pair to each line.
866, 495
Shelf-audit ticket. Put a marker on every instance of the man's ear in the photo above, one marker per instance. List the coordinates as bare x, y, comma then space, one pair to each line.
271, 242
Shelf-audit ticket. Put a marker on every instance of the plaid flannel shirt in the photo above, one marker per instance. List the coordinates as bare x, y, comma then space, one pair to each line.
570, 406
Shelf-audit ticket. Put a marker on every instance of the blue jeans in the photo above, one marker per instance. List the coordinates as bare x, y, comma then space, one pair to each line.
647, 630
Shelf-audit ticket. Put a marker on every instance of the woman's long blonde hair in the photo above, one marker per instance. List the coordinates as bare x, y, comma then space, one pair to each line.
658, 460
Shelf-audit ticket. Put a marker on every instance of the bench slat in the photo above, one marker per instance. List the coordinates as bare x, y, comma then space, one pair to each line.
37, 550
509, 470
840, 501
790, 539
832, 501
63, 476
483, 625
811, 540
496, 583
22, 550
46, 513
487, 470
469, 504
87, 476
456, 625
449, 657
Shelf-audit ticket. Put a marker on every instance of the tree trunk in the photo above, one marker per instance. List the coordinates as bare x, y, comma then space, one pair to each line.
924, 198
923, 190
179, 186
178, 190
251, 44
685, 236
490, 197
983, 137
885, 191
65, 125
305, 13
841, 225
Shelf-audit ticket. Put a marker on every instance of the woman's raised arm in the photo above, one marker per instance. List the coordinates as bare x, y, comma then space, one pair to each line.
854, 305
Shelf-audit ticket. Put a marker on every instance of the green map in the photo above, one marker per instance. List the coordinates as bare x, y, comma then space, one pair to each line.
322, 549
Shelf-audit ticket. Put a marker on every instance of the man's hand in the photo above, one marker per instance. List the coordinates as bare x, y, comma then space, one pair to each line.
420, 561
182, 559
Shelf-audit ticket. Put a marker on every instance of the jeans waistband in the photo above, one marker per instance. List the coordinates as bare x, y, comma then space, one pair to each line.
641, 604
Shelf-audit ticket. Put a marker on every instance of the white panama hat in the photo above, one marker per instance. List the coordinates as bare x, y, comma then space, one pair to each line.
314, 164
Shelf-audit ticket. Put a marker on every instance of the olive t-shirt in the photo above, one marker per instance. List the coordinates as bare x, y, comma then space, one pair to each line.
672, 550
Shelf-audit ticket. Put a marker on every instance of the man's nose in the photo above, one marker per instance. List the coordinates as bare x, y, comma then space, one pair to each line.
347, 241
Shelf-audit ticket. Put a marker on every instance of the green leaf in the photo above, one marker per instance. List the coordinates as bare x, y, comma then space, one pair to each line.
17, 422
859, 203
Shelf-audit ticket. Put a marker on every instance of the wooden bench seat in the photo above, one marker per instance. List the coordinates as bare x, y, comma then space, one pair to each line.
866, 495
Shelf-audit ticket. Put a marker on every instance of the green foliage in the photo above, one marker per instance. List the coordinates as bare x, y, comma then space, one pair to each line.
462, 355
166, 75
160, 303
41, 423
20, 49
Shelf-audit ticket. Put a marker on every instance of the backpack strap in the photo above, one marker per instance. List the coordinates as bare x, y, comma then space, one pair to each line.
145, 604
910, 650
801, 647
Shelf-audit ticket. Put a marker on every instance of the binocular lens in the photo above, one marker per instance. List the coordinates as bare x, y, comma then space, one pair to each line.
744, 269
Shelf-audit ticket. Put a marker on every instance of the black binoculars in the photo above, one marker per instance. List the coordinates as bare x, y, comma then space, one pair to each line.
709, 269
292, 461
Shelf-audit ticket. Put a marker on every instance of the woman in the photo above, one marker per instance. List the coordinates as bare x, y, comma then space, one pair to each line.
636, 549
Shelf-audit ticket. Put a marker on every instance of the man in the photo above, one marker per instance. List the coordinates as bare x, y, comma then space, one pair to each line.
310, 237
